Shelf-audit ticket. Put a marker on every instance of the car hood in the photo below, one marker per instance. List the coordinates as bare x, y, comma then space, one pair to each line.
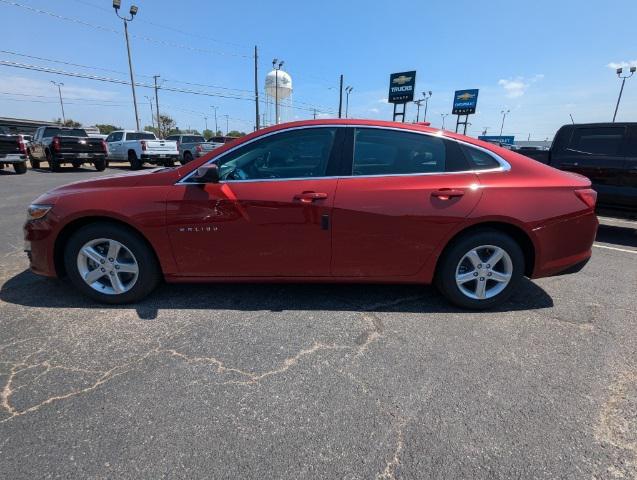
155, 177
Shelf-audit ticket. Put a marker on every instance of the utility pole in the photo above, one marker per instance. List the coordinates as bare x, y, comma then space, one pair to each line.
572, 121
59, 85
206, 120
427, 96
621, 90
315, 114
340, 98
155, 77
216, 126
256, 88
227, 129
133, 11
504, 115
152, 114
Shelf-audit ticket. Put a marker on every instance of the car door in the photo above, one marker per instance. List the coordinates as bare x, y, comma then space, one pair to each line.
36, 146
269, 215
115, 145
597, 153
629, 179
405, 192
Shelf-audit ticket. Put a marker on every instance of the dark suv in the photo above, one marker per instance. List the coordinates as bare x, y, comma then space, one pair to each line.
604, 152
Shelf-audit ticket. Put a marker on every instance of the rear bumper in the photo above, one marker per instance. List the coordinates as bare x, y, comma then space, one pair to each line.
13, 158
76, 157
564, 245
158, 158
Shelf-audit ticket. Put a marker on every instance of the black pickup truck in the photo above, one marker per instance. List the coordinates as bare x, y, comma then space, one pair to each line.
13, 151
59, 145
604, 152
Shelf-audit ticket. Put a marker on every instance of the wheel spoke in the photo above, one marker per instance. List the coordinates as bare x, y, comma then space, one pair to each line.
481, 289
93, 276
464, 278
500, 277
117, 284
93, 254
128, 268
474, 258
113, 249
495, 257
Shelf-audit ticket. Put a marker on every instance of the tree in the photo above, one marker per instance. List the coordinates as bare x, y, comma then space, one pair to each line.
207, 133
68, 123
236, 133
106, 128
167, 126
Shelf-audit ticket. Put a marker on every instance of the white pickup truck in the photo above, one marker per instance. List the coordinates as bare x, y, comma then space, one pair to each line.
141, 147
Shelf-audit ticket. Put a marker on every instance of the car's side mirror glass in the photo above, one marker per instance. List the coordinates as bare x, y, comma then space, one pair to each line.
207, 174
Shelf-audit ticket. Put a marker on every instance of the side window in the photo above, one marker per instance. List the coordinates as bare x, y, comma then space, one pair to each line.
293, 154
391, 152
109, 138
479, 160
598, 141
115, 137
173, 137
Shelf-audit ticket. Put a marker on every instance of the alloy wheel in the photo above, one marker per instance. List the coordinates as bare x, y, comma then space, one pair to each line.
107, 266
483, 272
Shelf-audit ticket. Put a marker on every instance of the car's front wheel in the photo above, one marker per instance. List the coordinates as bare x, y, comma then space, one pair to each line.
481, 269
111, 263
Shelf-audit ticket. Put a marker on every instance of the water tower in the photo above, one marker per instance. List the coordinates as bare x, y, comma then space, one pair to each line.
278, 85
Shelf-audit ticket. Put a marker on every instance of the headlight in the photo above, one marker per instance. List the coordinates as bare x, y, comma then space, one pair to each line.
35, 212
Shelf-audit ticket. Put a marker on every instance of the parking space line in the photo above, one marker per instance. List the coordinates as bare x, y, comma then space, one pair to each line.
615, 248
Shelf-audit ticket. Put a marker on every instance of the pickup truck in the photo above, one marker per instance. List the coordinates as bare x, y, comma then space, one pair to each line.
141, 147
191, 146
59, 145
13, 151
606, 153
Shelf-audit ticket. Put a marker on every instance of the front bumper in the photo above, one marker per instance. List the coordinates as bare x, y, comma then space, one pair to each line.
39, 245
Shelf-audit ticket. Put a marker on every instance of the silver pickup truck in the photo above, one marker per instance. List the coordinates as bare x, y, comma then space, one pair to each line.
141, 147
191, 146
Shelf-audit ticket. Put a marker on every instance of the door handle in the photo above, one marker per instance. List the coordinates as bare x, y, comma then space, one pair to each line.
309, 197
447, 193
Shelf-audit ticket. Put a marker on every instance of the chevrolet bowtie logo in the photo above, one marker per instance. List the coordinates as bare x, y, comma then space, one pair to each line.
401, 80
466, 96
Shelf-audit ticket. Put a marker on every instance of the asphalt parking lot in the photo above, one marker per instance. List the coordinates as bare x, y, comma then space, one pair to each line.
316, 381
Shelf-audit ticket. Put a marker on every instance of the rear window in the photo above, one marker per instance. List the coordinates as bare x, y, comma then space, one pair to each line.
140, 136
66, 132
192, 139
598, 141
478, 159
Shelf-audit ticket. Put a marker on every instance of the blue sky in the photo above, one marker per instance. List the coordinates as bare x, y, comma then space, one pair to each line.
542, 60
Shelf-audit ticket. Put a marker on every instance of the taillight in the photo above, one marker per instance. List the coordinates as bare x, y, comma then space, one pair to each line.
104, 148
22, 147
177, 145
143, 142
55, 144
198, 148
588, 196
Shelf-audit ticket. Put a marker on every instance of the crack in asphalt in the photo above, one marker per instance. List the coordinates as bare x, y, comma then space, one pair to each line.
389, 472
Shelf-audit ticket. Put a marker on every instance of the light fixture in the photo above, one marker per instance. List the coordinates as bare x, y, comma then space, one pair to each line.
117, 4
133, 10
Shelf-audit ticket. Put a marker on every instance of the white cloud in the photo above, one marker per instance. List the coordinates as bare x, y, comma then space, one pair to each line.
374, 110
626, 64
516, 87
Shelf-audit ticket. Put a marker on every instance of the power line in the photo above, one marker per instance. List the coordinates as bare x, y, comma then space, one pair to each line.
111, 30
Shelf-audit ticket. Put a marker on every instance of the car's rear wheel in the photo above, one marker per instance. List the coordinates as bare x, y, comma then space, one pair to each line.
135, 163
169, 163
100, 165
111, 263
54, 164
20, 168
187, 158
480, 270
76, 164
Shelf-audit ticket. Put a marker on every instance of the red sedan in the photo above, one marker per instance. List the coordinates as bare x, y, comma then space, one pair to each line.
322, 201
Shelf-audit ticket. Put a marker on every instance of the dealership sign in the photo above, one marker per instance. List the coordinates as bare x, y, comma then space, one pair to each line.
401, 87
505, 139
465, 102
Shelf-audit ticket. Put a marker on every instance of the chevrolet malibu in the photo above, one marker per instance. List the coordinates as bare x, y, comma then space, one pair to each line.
322, 201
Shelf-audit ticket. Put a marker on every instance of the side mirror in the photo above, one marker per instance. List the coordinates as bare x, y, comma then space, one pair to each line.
207, 174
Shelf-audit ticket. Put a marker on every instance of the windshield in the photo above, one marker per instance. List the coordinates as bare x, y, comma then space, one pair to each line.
140, 136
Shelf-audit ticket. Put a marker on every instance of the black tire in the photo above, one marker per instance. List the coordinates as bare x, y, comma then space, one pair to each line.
169, 163
100, 165
20, 168
135, 163
54, 164
448, 263
187, 158
34, 163
76, 164
149, 272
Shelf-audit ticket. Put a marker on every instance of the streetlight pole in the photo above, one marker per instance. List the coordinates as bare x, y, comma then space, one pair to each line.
348, 90
227, 129
276, 88
133, 11
427, 96
152, 113
443, 115
621, 90
206, 120
59, 85
504, 115
216, 126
